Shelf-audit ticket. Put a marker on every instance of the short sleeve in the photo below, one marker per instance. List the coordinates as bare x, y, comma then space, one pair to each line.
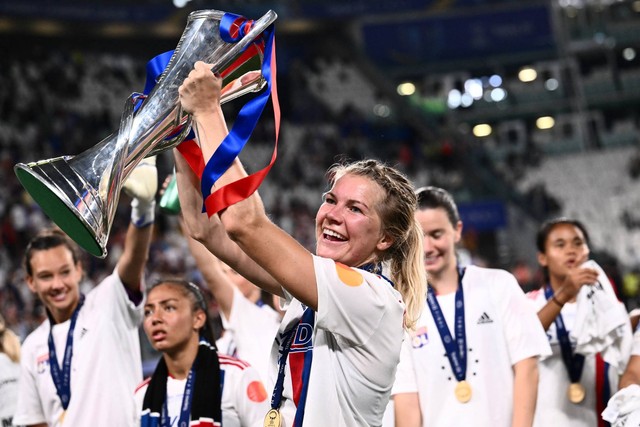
522, 328
405, 375
352, 303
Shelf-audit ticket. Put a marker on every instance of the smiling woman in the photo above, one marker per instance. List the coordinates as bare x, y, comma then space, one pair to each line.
341, 335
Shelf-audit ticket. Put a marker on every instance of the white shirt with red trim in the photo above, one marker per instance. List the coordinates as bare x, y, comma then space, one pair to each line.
249, 333
105, 369
244, 399
356, 340
501, 329
553, 407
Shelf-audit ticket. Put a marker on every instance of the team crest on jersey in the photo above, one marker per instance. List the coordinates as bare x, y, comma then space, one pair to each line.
420, 338
41, 363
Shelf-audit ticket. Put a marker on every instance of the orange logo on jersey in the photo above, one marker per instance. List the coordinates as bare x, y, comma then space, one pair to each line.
256, 392
348, 275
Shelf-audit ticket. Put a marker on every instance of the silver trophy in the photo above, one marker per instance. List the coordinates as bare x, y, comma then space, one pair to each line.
80, 193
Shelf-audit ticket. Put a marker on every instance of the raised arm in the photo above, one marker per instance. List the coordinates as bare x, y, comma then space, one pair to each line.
210, 232
141, 185
246, 222
217, 281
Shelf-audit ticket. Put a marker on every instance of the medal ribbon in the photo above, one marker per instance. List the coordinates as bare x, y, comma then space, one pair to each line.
573, 362
456, 348
185, 408
62, 375
308, 317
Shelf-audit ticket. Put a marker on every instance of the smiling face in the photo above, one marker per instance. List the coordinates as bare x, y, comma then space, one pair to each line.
55, 278
170, 321
565, 248
440, 239
348, 226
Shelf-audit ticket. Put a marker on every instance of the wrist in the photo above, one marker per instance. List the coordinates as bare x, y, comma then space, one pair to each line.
142, 212
557, 301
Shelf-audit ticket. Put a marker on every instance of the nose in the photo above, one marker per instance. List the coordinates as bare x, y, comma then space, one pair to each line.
57, 282
334, 213
428, 244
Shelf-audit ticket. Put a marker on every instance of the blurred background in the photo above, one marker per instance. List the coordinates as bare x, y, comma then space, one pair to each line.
523, 110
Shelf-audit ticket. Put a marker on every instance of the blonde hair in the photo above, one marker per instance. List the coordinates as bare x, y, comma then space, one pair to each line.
396, 209
9, 342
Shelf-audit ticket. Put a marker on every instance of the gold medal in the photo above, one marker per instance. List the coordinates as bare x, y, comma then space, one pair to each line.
61, 417
272, 419
576, 392
463, 391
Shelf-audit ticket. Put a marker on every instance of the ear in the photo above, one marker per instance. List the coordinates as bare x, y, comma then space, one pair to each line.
31, 284
198, 320
542, 259
384, 242
458, 231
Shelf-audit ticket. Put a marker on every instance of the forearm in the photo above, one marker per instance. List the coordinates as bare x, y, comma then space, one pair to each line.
211, 233
525, 391
407, 410
134, 258
631, 374
213, 275
552, 308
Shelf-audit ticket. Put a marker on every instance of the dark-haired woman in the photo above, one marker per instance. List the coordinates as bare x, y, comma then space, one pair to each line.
574, 389
472, 360
193, 385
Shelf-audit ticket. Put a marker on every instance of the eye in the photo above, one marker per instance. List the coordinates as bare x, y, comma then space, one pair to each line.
147, 312
327, 198
169, 307
355, 209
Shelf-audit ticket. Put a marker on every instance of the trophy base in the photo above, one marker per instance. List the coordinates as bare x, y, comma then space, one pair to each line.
55, 204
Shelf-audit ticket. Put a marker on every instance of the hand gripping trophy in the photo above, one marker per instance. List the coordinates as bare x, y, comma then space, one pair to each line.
80, 193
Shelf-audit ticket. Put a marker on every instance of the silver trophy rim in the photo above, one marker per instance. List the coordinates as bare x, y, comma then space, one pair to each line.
75, 226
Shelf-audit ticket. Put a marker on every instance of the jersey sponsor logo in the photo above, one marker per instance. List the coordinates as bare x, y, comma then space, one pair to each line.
348, 275
484, 319
302, 341
256, 392
42, 363
420, 338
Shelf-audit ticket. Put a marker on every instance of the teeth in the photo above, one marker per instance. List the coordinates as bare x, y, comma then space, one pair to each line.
333, 234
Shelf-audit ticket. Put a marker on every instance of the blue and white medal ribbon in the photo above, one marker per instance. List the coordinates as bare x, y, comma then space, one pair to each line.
62, 375
573, 362
456, 348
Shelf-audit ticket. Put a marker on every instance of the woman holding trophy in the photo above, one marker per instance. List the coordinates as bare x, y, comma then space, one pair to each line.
339, 342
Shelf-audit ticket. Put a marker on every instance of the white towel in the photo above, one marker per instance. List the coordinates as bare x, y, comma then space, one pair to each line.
623, 409
602, 323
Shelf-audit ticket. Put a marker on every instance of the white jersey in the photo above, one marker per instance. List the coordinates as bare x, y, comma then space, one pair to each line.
249, 333
356, 339
105, 369
599, 380
244, 400
501, 329
9, 375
